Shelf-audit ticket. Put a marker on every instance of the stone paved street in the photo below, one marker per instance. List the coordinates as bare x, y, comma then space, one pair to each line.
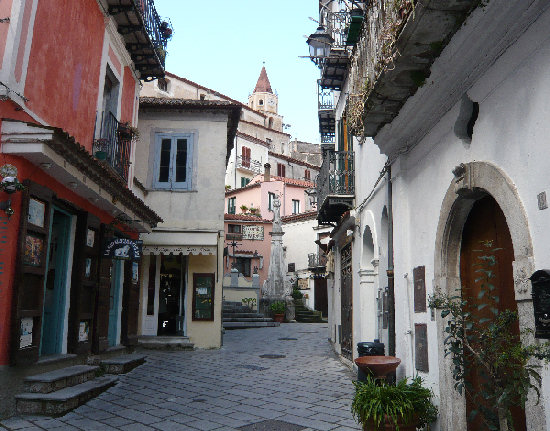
228, 389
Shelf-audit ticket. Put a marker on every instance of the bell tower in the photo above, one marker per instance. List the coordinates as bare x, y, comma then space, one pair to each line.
262, 98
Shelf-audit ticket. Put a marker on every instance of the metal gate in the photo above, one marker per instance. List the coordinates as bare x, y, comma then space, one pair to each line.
346, 303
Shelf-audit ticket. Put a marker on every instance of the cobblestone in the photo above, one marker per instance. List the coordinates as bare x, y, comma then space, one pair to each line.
228, 389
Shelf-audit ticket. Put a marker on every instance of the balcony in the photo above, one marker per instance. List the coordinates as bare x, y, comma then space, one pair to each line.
114, 146
316, 262
334, 67
249, 164
145, 35
234, 236
335, 186
327, 122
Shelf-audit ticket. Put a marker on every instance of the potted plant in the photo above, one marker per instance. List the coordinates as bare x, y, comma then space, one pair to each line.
127, 132
379, 406
278, 309
244, 208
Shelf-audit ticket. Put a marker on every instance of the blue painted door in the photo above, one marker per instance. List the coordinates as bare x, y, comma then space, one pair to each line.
114, 300
56, 282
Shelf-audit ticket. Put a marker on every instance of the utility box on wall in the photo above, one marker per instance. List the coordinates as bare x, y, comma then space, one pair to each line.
540, 281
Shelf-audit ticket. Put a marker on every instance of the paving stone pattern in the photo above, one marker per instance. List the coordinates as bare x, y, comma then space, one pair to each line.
230, 389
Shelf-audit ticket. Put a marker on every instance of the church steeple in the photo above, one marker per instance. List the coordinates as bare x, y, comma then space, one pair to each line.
263, 85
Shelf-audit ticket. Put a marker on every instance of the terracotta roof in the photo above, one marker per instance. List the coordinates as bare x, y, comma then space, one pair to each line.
233, 110
289, 181
263, 85
248, 186
244, 217
252, 139
299, 217
67, 146
214, 92
293, 160
266, 128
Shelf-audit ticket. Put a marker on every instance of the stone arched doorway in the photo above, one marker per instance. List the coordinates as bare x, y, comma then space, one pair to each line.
472, 183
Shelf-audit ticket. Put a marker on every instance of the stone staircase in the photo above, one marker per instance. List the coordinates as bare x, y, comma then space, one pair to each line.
238, 316
57, 392
305, 315
165, 342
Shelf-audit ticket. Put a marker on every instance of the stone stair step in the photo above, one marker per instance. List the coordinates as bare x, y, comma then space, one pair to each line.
241, 309
244, 325
225, 314
247, 319
58, 379
122, 364
165, 343
61, 401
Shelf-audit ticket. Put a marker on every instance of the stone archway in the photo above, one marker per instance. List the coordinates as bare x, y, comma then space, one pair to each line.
473, 181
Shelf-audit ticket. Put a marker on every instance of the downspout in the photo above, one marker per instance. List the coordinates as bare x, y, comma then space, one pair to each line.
390, 273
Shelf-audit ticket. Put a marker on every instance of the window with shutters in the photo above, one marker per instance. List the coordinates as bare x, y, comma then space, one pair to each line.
245, 151
307, 174
173, 161
231, 205
244, 181
280, 170
271, 199
295, 206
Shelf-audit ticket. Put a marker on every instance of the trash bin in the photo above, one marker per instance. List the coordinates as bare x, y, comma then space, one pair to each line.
369, 348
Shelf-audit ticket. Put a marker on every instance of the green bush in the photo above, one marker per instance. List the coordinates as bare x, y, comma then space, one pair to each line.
278, 307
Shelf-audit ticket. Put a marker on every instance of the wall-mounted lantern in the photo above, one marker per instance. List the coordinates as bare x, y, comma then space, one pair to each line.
319, 44
540, 281
9, 184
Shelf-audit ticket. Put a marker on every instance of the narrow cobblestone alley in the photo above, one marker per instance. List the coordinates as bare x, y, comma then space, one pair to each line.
228, 389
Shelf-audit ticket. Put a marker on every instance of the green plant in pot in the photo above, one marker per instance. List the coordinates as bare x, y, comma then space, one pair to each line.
379, 406
278, 309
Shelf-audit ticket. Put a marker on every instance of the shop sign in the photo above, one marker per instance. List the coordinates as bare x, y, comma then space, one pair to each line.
123, 249
303, 283
253, 232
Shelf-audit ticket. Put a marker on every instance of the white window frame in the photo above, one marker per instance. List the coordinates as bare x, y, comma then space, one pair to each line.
295, 206
170, 184
270, 200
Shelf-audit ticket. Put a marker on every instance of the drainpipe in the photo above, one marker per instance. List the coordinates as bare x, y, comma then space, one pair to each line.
391, 285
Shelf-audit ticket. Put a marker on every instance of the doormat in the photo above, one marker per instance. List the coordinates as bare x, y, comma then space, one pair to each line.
272, 425
271, 356
287, 338
252, 367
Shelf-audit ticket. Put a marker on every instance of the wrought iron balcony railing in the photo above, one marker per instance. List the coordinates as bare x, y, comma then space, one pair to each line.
336, 24
328, 137
144, 33
114, 146
249, 164
325, 98
335, 184
316, 260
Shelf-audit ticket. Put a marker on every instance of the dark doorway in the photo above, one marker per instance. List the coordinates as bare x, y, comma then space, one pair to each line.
321, 297
170, 296
346, 341
486, 222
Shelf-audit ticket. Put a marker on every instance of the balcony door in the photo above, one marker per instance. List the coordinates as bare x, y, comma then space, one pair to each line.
346, 341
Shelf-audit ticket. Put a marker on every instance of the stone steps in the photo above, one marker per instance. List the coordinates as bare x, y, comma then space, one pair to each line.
61, 401
165, 343
305, 315
244, 315
246, 325
247, 319
122, 364
59, 379
238, 316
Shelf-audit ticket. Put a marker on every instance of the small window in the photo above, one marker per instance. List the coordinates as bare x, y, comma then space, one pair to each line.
291, 267
202, 97
234, 228
243, 265
271, 198
261, 102
270, 124
307, 174
162, 84
281, 170
231, 205
173, 160
244, 181
295, 206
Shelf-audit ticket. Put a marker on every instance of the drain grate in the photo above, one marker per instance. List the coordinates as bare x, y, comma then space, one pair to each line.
287, 338
252, 367
272, 425
271, 356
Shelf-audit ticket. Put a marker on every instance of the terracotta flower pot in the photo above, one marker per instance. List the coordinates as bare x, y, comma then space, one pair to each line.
279, 318
389, 425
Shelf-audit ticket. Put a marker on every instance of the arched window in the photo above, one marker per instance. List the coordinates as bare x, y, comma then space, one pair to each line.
270, 123
261, 102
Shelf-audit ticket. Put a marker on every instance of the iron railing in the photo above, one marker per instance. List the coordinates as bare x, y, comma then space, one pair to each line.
336, 24
249, 164
336, 176
113, 146
152, 23
328, 137
325, 98
316, 260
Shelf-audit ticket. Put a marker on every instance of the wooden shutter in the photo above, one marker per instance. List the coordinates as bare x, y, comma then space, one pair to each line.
30, 276
100, 341
84, 283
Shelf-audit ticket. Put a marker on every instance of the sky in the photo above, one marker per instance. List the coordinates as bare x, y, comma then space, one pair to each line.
222, 45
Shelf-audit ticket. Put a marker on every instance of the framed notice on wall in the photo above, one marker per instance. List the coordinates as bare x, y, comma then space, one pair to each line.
203, 296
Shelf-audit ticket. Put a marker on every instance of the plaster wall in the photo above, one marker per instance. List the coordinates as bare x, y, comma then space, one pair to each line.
258, 152
299, 240
201, 207
511, 133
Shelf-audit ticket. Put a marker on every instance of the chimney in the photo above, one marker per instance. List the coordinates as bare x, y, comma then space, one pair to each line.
267, 172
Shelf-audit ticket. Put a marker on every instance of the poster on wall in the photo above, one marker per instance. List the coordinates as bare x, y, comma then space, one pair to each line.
135, 272
33, 250
36, 212
253, 233
90, 238
203, 297
88, 269
25, 339
83, 330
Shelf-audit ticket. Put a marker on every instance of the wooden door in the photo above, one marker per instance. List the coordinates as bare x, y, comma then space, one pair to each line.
346, 340
130, 304
100, 341
486, 222
27, 305
321, 297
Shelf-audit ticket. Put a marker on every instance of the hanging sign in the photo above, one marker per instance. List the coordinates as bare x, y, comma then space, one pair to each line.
123, 249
